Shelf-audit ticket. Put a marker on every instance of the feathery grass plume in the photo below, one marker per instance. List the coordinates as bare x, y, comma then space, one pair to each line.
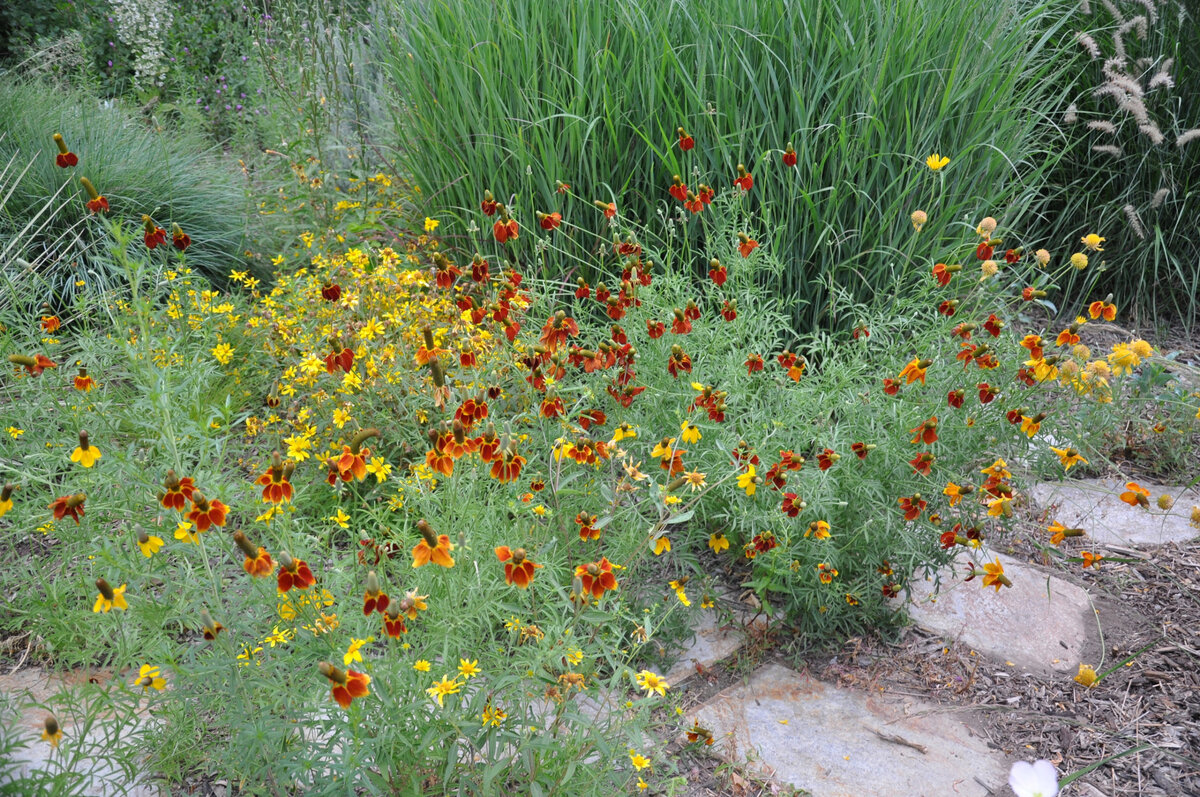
1070, 116
1160, 196
1151, 11
1108, 149
1108, 90
1161, 78
1089, 44
1135, 108
1128, 85
1138, 22
1102, 126
1186, 136
1135, 222
1113, 68
1152, 132
1112, 9
1119, 45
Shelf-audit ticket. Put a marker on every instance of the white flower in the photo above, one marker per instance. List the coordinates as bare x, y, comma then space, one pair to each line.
1039, 779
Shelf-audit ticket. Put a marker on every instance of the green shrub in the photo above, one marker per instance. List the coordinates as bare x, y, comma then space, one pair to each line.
175, 176
1130, 165
592, 95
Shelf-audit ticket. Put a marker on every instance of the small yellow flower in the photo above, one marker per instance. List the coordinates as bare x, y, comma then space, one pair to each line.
380, 468
341, 519
641, 784
1086, 675
442, 688
747, 481
1079, 260
639, 761
623, 431
936, 162
223, 353
1092, 242
689, 433
467, 668
14, 433
652, 683
431, 224
353, 653
421, 665
85, 456
149, 677
52, 733
718, 542
183, 531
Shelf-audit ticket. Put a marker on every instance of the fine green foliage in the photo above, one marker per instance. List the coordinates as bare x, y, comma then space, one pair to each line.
592, 95
175, 176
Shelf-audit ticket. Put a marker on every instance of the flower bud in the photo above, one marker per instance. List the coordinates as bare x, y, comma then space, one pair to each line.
1165, 502
427, 532
360, 438
105, 589
246, 546
372, 583
332, 673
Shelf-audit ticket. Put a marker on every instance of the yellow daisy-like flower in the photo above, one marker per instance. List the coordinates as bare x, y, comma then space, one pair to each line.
85, 454
689, 432
639, 761
623, 431
379, 468
341, 519
442, 688
421, 665
51, 732
150, 677
1086, 675
468, 668
652, 683
662, 545
936, 162
718, 542
431, 224
1069, 457
1092, 242
1141, 348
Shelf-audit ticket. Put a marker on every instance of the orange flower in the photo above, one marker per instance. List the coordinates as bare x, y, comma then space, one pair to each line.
993, 576
96, 203
276, 487
393, 623
294, 573
747, 245
374, 599
352, 464
433, 547
926, 432
827, 459
65, 159
922, 463
549, 221
68, 505
83, 382
686, 142
1091, 559
50, 323
258, 562
913, 506
1136, 495
595, 578
518, 569
507, 466
34, 365
205, 513
1105, 310
587, 527
178, 491
744, 180
915, 370
345, 685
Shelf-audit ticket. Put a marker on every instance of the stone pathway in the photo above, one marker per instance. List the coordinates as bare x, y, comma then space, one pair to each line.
835, 742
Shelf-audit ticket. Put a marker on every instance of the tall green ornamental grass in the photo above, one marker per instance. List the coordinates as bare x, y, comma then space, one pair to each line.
174, 176
513, 97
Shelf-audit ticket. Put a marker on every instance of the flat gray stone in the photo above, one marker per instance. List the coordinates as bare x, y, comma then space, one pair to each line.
1038, 625
827, 741
86, 755
1093, 505
712, 643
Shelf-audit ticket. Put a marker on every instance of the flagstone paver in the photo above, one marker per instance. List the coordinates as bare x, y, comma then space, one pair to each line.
1093, 505
1042, 623
712, 642
848, 743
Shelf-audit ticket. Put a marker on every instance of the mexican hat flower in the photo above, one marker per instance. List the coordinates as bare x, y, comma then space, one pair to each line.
68, 505
274, 481
83, 382
205, 513
293, 573
595, 578
345, 685
180, 239
258, 562
150, 677
108, 598
33, 364
85, 454
176, 491
518, 568
374, 598
96, 203
65, 158
152, 234
433, 547
352, 463
51, 732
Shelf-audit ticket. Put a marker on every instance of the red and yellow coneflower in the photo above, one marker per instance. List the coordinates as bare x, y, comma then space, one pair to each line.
258, 562
374, 598
274, 481
294, 573
205, 513
433, 547
176, 491
518, 568
68, 505
345, 685
594, 579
